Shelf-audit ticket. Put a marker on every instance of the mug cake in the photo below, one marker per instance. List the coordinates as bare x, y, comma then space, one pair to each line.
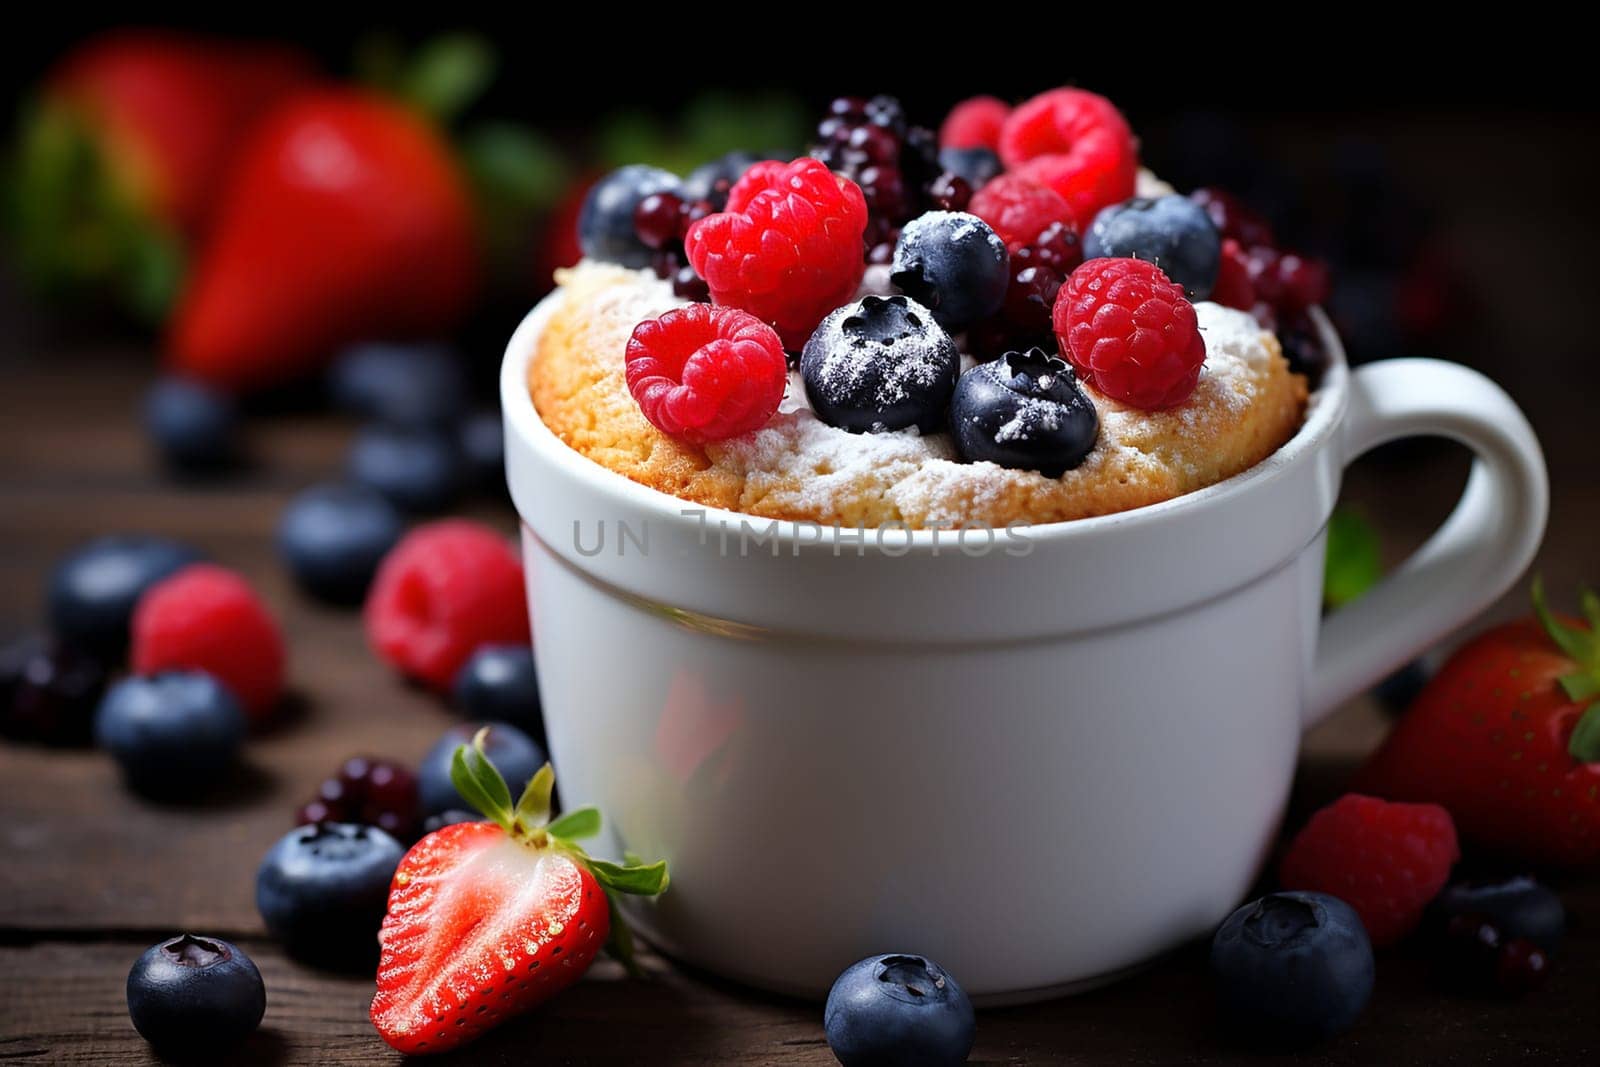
890, 332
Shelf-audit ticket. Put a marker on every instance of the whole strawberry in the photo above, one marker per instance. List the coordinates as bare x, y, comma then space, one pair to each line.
347, 218
488, 919
122, 158
1507, 737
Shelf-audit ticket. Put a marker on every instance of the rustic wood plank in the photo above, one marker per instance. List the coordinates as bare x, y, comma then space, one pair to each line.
63, 1002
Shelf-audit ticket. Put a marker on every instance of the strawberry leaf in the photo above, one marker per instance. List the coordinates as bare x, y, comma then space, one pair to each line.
640, 880
576, 825
1578, 644
534, 806
479, 783
619, 943
1580, 685
1353, 561
1584, 744
1591, 609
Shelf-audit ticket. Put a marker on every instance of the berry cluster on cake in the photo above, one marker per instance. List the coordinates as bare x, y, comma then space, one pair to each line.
1007, 322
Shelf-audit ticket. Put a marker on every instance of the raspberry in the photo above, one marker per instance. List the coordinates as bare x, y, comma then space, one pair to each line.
704, 373
445, 589
1019, 210
788, 249
1387, 861
1129, 332
207, 618
1233, 287
974, 123
1078, 144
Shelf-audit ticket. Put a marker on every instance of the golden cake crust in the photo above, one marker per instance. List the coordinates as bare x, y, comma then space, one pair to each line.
1245, 406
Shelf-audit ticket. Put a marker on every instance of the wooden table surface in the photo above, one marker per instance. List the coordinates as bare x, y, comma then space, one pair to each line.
90, 875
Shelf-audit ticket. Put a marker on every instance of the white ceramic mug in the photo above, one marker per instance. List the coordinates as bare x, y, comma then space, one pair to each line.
1040, 764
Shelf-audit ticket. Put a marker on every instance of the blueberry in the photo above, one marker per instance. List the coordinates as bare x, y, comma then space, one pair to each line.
332, 538
449, 817
977, 165
1025, 411
193, 426
195, 995
1396, 692
500, 683
483, 447
1173, 232
725, 168
1292, 968
49, 692
174, 735
881, 363
517, 756
322, 891
1519, 906
407, 384
954, 265
417, 468
898, 1009
93, 590
605, 223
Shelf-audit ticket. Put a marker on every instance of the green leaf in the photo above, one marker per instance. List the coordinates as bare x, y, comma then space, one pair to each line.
447, 74
154, 271
79, 219
636, 880
1584, 744
440, 79
534, 806
1354, 561
619, 944
1580, 685
637, 137
514, 163
479, 783
1591, 609
576, 825
1581, 645
715, 123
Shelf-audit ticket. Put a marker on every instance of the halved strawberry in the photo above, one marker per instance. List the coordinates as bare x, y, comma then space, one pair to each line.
488, 919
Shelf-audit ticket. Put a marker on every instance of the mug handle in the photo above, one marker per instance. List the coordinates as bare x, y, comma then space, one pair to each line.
1470, 560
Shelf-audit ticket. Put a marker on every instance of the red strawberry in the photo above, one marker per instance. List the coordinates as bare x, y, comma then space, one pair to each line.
1507, 737
346, 219
488, 919
123, 159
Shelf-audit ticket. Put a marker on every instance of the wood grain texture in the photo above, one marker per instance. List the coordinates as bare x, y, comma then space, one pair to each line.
90, 875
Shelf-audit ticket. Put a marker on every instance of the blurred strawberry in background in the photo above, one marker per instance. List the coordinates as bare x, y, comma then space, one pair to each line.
347, 218
124, 151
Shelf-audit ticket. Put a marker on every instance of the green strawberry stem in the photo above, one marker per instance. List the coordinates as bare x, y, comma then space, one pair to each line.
1582, 646
481, 784
75, 223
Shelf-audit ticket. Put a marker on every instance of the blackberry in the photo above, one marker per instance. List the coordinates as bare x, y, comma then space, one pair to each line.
657, 219
950, 192
371, 792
